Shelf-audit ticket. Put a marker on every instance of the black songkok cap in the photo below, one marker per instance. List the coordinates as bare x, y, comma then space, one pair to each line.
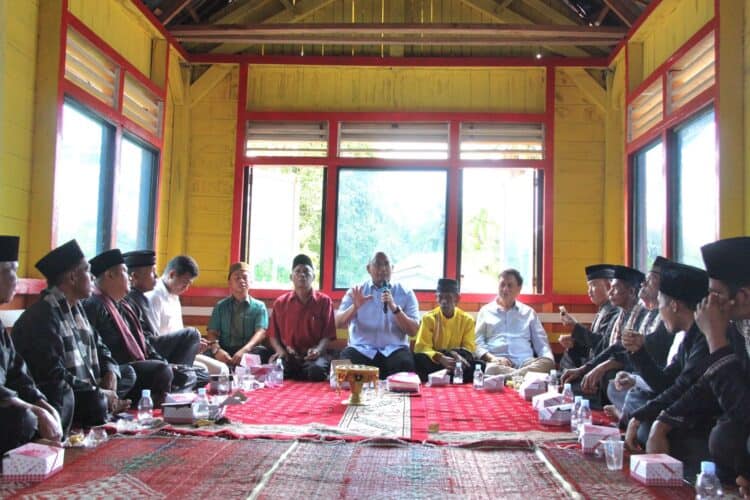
302, 259
9, 248
728, 260
105, 260
61, 259
682, 282
658, 264
139, 258
600, 271
632, 276
447, 285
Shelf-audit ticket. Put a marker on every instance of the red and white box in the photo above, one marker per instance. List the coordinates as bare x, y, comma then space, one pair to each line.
404, 382
494, 383
439, 378
531, 388
547, 399
32, 462
555, 415
657, 469
592, 434
180, 397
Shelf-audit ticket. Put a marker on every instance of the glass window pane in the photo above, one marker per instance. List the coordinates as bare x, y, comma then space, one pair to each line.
697, 214
286, 213
136, 195
78, 181
649, 206
400, 212
499, 227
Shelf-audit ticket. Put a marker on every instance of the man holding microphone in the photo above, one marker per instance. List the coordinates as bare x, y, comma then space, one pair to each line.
380, 316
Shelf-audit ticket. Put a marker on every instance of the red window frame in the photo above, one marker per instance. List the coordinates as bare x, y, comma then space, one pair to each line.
453, 165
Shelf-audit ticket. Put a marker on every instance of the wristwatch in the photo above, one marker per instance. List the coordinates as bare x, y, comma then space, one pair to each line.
397, 310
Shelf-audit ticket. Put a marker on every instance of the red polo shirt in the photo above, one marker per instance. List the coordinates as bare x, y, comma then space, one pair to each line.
301, 326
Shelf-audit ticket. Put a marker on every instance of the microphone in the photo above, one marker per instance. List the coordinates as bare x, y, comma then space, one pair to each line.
386, 286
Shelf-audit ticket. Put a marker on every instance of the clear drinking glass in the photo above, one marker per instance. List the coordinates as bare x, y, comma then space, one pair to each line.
613, 450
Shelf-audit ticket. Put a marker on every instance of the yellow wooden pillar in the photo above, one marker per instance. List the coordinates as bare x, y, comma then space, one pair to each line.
613, 231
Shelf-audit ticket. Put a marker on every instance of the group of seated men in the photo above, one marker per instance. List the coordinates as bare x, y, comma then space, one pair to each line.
667, 353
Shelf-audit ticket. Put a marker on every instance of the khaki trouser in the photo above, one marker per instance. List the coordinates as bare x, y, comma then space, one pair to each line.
214, 367
542, 365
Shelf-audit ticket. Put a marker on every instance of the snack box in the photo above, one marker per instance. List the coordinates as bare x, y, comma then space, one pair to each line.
404, 382
555, 415
32, 462
592, 434
494, 383
656, 469
439, 378
546, 399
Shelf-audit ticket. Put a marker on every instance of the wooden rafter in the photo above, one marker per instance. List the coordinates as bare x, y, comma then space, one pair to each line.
624, 9
389, 34
287, 5
171, 9
600, 17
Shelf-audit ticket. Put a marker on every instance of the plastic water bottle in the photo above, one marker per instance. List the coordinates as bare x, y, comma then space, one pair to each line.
552, 381
478, 376
458, 373
200, 406
277, 374
145, 408
574, 414
584, 415
567, 394
707, 485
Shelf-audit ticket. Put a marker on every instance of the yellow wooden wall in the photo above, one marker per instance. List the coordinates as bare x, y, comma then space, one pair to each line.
579, 156
18, 47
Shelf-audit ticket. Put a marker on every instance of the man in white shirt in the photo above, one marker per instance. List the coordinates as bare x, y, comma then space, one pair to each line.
167, 309
510, 338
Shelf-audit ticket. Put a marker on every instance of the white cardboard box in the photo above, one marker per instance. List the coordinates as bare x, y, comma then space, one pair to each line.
555, 415
439, 378
32, 462
592, 434
494, 383
657, 469
404, 382
546, 399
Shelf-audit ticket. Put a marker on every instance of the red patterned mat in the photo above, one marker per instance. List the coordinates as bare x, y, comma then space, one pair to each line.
345, 470
463, 409
158, 467
590, 476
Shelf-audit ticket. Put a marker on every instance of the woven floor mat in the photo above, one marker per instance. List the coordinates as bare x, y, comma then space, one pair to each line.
160, 467
364, 470
589, 476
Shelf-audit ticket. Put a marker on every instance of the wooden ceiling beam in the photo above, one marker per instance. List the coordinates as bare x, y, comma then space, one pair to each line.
600, 17
394, 40
172, 9
623, 9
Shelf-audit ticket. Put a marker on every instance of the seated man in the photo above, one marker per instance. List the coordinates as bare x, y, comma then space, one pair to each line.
381, 316
166, 310
581, 343
24, 411
178, 347
445, 336
301, 326
681, 288
723, 390
238, 323
509, 333
61, 349
594, 376
120, 329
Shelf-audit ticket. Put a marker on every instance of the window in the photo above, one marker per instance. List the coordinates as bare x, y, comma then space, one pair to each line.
419, 141
500, 224
100, 201
649, 208
697, 207
401, 212
80, 186
285, 208
502, 141
136, 197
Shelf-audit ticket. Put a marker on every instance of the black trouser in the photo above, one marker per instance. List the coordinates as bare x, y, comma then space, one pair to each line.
153, 375
178, 347
264, 352
574, 357
728, 445
599, 398
400, 360
60, 397
425, 365
17, 426
315, 371
91, 408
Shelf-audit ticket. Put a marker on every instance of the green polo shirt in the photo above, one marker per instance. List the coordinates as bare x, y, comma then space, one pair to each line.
237, 321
